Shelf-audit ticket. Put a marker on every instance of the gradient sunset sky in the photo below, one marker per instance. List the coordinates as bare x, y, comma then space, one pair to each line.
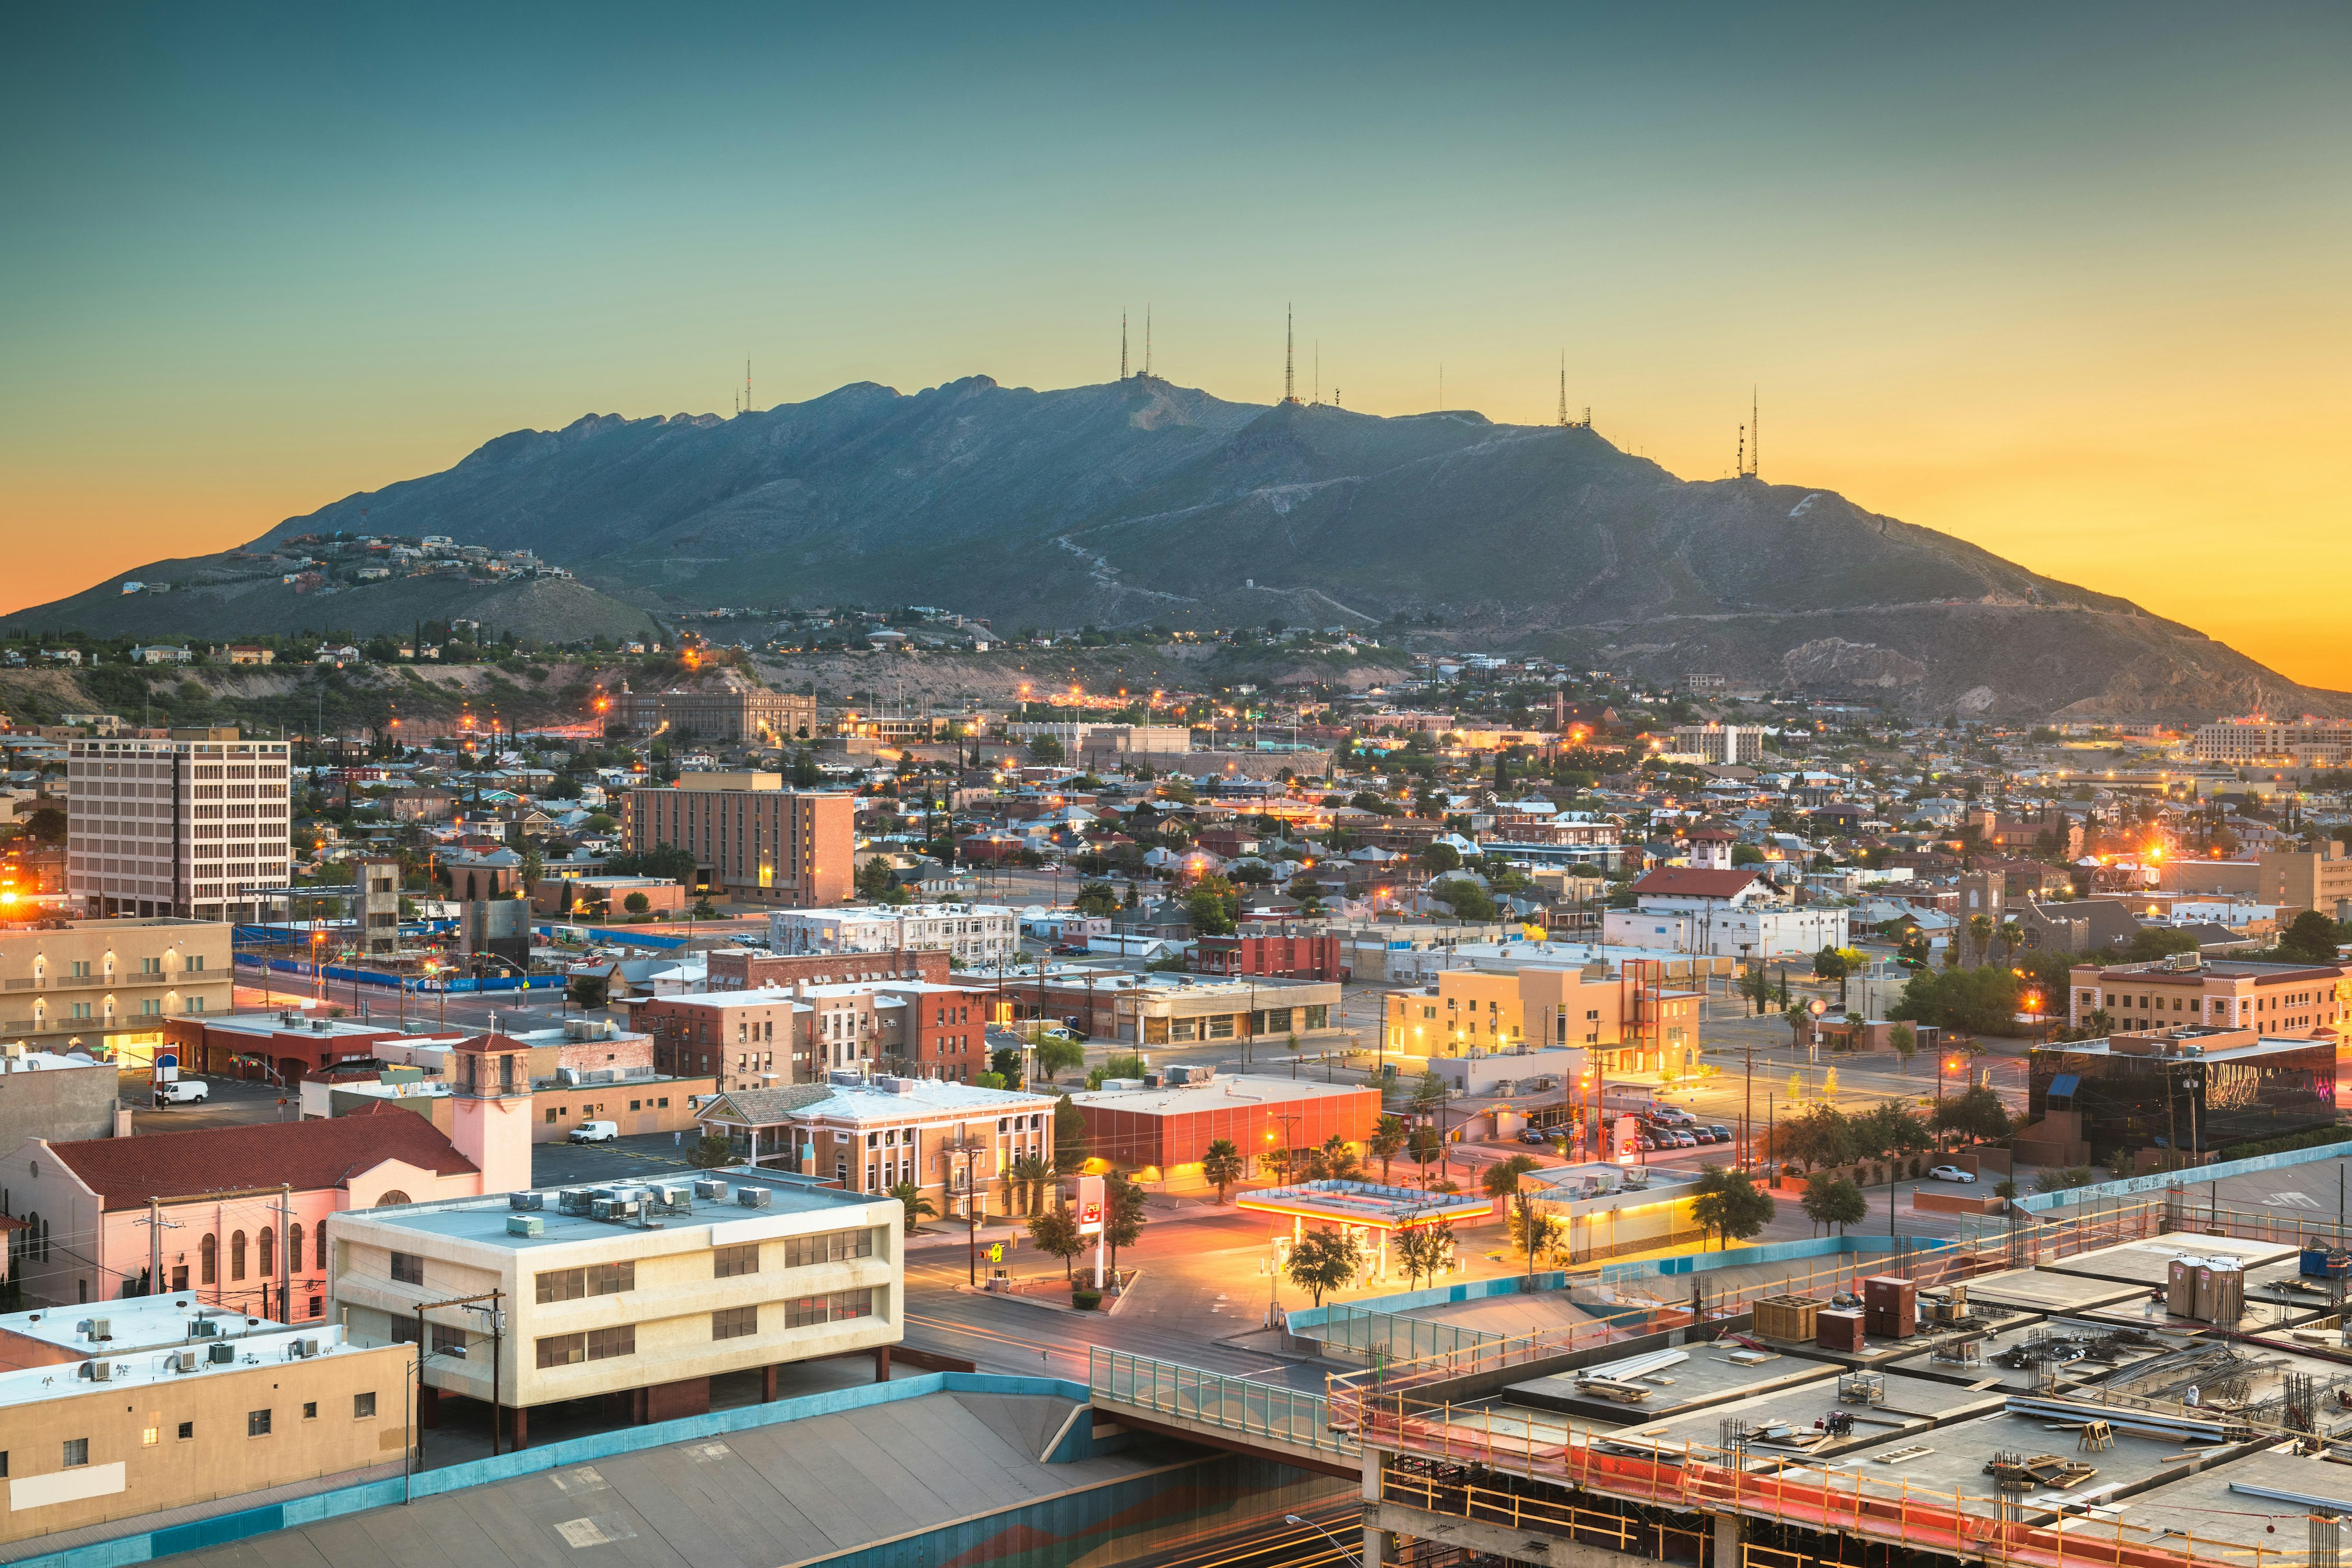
2069, 281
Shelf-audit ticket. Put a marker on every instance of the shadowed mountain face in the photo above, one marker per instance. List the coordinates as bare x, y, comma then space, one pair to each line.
1141, 501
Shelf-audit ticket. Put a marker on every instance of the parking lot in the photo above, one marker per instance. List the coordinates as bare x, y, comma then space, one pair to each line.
624, 1159
231, 1102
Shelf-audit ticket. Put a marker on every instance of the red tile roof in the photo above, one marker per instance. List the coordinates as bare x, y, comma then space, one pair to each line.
311, 1155
1695, 882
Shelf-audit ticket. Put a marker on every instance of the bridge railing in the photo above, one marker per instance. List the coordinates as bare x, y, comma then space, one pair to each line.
1235, 1404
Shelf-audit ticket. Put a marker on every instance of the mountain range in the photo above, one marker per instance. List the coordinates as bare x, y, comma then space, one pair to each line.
1143, 503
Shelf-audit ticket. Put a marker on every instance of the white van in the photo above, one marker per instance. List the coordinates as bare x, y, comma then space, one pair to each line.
596, 1133
183, 1091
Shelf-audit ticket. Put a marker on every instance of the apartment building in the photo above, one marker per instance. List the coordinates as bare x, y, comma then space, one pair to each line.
1726, 913
977, 934
1721, 743
752, 838
762, 1038
164, 1403
2273, 999
639, 1291
728, 712
2259, 741
950, 1140
191, 826
1629, 1023
109, 987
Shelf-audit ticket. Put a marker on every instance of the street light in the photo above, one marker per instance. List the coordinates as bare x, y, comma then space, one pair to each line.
1294, 1519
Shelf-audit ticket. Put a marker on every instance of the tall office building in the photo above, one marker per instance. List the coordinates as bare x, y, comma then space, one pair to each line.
190, 826
751, 838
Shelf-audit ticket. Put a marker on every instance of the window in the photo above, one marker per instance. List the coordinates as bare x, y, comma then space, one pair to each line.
237, 1257
407, 1268
77, 1452
448, 1341
730, 1262
150, 1434
187, 1431
363, 1407
257, 1423
208, 1260
563, 1285
801, 1311
309, 1410
612, 1279
268, 1252
597, 1344
735, 1323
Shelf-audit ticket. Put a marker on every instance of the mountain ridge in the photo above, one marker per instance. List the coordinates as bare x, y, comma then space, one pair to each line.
1141, 501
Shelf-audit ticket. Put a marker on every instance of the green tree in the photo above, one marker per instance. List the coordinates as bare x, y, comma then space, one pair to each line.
1340, 1162
1969, 1001
1055, 1234
1534, 1233
1386, 1143
636, 903
1975, 1113
875, 879
1502, 1177
1817, 1136
1906, 1041
1421, 1250
1467, 899
1005, 1064
47, 823
710, 1153
1054, 1055
2056, 1181
2309, 938
1028, 1176
588, 991
1435, 856
1212, 906
910, 1197
1095, 899
1220, 1166
1730, 1204
1322, 1261
1069, 1136
1123, 1216
1833, 1200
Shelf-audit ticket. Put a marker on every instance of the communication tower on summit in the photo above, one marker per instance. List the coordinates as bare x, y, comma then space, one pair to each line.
1289, 358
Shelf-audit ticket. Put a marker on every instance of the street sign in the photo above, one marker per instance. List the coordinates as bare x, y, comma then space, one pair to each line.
996, 1252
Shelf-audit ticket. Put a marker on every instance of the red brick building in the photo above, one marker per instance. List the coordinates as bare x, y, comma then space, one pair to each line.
1162, 1134
1307, 956
742, 969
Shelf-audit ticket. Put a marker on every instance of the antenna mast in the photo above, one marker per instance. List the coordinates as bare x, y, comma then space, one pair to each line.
1739, 456
747, 385
1123, 345
1563, 388
1289, 359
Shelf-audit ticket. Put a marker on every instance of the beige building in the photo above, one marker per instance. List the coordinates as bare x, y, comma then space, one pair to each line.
751, 837
729, 712
644, 1290
2294, 879
1628, 1025
161, 1403
106, 986
190, 826
2275, 1000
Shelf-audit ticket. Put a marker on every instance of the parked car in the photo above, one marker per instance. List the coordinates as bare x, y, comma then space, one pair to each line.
594, 1132
1685, 1141
1701, 1136
1952, 1173
183, 1091
1647, 1143
1722, 1134
1070, 949
1673, 1114
1538, 1134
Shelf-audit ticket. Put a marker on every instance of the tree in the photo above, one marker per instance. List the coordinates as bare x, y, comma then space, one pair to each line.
588, 991
1976, 1114
1006, 1065
1887, 1128
1533, 1232
1339, 1159
1436, 857
1123, 1216
1095, 899
1970, 1000
1833, 1200
47, 825
1212, 906
1421, 1250
1502, 1177
1028, 1175
1069, 1136
1730, 1204
1220, 1166
636, 903
1906, 1041
2310, 938
1385, 1143
1467, 899
911, 1198
1322, 1261
1818, 1137
1055, 1234
1045, 749
1054, 1055
874, 880
1980, 929
1292, 1041
710, 1153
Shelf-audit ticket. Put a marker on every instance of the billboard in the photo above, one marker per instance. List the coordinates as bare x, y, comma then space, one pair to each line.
1090, 1206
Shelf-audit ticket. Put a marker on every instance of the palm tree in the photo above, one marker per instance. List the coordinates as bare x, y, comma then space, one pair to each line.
1029, 1175
2012, 937
1221, 1165
1339, 1159
1981, 929
917, 1206
1386, 1143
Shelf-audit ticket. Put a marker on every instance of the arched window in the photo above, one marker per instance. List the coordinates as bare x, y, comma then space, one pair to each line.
268, 1252
32, 1248
293, 1249
236, 1255
321, 1264
44, 1241
391, 1198
208, 1260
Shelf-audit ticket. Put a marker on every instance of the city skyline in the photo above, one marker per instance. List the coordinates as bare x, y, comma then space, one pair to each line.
2064, 288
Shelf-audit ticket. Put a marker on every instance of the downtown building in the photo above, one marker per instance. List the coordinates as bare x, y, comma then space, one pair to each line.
745, 713
752, 838
193, 826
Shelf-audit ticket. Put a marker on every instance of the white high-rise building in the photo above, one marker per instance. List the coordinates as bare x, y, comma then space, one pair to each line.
190, 826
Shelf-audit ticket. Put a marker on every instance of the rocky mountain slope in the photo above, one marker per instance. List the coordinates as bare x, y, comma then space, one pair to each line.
1140, 501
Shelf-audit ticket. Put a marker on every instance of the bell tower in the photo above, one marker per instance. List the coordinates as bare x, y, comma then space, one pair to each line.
489, 1095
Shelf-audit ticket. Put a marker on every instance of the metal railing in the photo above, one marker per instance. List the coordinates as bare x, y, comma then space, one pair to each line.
1234, 1403
1381, 1338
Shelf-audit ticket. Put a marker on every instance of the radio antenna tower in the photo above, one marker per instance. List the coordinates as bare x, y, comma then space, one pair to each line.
1289, 358
1563, 388
1739, 456
1317, 386
1123, 345
747, 385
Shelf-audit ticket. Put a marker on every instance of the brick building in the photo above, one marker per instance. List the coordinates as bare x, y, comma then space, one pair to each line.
1309, 955
752, 838
725, 712
1161, 1134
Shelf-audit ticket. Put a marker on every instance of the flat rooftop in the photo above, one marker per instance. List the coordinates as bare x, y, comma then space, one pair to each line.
135, 1323
1903, 1407
2150, 1262
796, 1492
1367, 1202
148, 1367
1706, 1376
2040, 1290
2082, 1352
1239, 1093
483, 1221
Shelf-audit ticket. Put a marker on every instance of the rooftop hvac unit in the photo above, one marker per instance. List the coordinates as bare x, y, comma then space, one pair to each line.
568, 1076
202, 1329
752, 1197
843, 1077
674, 1192
716, 1192
572, 1201
101, 1329
103, 1371
298, 1349
221, 1354
520, 1201
603, 1208
526, 1224
183, 1360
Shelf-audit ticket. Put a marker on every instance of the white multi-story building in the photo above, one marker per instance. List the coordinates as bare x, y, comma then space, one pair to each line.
1725, 914
976, 934
1726, 743
190, 826
2321, 743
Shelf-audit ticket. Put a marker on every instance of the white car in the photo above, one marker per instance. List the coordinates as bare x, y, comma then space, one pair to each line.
1952, 1173
183, 1091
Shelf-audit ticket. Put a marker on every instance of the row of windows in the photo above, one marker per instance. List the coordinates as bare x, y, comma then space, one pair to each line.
595, 1280
258, 1424
832, 1247
597, 1344
801, 1311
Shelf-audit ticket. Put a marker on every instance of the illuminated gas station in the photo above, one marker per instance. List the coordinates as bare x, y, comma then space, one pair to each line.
1368, 1211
